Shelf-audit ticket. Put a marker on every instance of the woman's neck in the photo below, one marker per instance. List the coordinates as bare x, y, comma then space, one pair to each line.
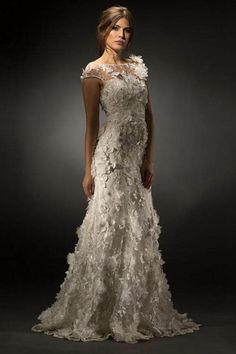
112, 57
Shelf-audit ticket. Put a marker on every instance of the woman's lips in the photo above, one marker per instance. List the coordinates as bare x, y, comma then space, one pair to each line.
120, 42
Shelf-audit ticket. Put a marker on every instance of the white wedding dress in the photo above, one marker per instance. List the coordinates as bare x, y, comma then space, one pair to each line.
115, 285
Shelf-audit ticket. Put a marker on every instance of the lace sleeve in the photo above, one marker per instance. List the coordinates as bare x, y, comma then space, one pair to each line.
142, 69
93, 70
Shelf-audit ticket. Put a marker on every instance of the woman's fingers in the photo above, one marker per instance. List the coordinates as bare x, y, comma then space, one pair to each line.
92, 188
148, 180
88, 190
88, 185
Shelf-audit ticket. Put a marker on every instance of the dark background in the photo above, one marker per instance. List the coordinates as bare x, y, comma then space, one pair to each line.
189, 48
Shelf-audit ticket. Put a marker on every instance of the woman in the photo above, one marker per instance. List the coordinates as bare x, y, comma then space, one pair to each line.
115, 285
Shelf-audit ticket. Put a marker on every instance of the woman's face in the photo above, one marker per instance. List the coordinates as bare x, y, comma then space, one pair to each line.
119, 36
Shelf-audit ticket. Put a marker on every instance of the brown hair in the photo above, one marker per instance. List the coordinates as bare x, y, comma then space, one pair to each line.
107, 20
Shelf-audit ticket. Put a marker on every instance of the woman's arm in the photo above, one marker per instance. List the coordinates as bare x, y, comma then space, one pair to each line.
148, 156
91, 93
147, 170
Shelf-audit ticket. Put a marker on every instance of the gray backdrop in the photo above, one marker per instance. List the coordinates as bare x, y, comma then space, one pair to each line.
190, 53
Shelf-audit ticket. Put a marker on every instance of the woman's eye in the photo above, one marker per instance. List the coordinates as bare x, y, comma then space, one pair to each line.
126, 30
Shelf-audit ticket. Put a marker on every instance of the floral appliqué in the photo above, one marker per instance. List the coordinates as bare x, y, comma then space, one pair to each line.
115, 285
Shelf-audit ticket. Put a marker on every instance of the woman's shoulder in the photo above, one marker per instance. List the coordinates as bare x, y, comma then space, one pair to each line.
91, 69
136, 58
141, 67
96, 68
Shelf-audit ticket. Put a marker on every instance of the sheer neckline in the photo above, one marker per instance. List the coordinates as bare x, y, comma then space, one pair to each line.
96, 62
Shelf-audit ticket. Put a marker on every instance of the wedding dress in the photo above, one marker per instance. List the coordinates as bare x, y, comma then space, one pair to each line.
115, 285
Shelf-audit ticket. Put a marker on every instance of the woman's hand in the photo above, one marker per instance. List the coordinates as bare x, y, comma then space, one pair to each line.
147, 173
88, 185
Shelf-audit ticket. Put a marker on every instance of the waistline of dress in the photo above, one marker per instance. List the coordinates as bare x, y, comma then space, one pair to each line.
125, 116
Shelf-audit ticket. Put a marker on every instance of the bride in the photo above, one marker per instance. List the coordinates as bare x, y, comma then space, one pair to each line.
115, 285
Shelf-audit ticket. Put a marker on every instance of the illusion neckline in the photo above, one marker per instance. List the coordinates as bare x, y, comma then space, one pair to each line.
96, 62
132, 56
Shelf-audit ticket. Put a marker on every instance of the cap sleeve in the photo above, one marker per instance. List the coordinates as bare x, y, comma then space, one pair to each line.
141, 69
91, 70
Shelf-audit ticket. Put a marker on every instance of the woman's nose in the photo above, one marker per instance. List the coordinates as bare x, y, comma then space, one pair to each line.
122, 34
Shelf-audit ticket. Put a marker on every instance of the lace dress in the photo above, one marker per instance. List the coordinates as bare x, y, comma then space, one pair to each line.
115, 285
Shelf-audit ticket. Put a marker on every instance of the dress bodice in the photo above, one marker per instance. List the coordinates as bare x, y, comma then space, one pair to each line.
123, 98
124, 87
